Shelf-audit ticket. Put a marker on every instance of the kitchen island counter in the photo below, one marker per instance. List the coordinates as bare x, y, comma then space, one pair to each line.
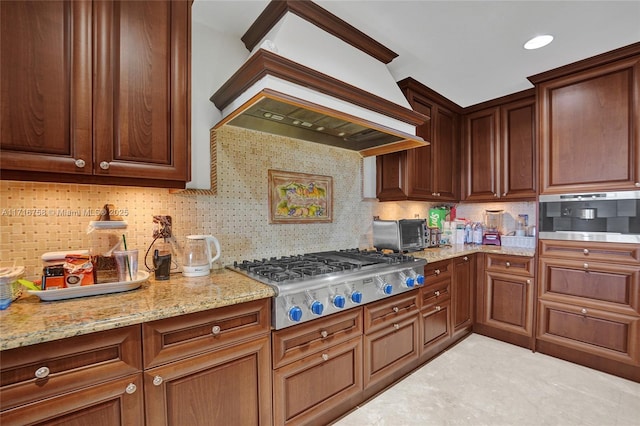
29, 321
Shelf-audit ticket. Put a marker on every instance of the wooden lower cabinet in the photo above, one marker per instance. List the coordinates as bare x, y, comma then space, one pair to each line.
227, 386
391, 345
505, 299
462, 289
589, 305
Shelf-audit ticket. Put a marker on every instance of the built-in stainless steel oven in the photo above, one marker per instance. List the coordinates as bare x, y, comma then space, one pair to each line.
597, 216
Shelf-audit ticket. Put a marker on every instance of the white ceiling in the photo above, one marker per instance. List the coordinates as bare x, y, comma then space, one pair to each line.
468, 51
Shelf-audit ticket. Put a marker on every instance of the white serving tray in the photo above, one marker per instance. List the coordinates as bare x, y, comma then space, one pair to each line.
91, 290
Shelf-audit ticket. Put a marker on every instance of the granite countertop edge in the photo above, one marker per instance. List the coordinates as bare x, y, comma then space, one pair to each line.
29, 321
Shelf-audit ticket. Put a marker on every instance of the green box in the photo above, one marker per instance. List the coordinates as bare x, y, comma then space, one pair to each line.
436, 217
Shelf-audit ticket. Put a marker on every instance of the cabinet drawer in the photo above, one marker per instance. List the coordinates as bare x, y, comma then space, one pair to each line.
520, 265
610, 335
595, 284
390, 348
47, 369
116, 402
312, 386
437, 271
292, 343
175, 338
435, 294
591, 251
386, 311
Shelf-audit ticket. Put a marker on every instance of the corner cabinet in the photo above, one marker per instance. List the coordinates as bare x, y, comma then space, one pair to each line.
505, 298
428, 173
589, 133
498, 149
96, 92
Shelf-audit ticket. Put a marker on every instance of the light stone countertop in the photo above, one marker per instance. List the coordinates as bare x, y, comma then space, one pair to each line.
29, 321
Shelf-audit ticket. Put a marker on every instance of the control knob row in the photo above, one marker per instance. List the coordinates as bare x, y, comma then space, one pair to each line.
316, 307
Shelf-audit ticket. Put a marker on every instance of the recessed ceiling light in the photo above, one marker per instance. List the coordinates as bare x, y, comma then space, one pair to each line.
538, 41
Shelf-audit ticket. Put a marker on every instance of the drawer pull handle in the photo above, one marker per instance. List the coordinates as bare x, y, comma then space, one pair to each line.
586, 266
465, 258
528, 281
396, 309
325, 357
396, 326
437, 293
215, 330
508, 264
131, 388
585, 251
324, 334
437, 271
104, 165
438, 308
42, 372
583, 311
157, 380
80, 163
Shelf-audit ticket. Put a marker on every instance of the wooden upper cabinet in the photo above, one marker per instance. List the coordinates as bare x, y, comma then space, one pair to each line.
428, 173
96, 92
499, 149
589, 133
45, 52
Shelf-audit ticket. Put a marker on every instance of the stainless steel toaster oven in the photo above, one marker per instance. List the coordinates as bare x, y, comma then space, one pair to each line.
404, 235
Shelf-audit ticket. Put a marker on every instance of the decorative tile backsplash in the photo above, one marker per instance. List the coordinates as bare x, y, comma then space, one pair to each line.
41, 217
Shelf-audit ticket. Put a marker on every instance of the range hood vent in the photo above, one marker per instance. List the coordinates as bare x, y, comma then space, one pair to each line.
274, 92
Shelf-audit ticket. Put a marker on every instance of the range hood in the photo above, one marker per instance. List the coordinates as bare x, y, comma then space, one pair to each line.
312, 76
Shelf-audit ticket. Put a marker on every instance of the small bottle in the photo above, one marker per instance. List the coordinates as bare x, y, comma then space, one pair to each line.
468, 234
477, 233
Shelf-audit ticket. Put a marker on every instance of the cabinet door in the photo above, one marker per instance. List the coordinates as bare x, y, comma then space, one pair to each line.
391, 176
45, 63
141, 108
462, 294
445, 161
229, 386
480, 155
318, 388
117, 402
589, 136
508, 303
390, 348
518, 156
420, 173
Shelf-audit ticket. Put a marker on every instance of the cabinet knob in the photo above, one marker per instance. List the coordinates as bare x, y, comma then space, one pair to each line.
583, 311
437, 272
437, 293
585, 251
637, 184
325, 357
157, 380
215, 330
131, 388
104, 165
504, 194
465, 258
80, 163
528, 281
324, 334
396, 326
438, 308
586, 265
508, 264
42, 372
495, 194
396, 309
437, 194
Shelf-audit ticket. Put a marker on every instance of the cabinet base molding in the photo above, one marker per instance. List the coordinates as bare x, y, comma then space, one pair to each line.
626, 371
505, 336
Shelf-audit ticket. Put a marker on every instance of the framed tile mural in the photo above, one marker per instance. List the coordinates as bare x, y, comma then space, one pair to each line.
300, 197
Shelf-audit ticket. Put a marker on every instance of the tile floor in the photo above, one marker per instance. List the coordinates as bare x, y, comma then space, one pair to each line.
482, 381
